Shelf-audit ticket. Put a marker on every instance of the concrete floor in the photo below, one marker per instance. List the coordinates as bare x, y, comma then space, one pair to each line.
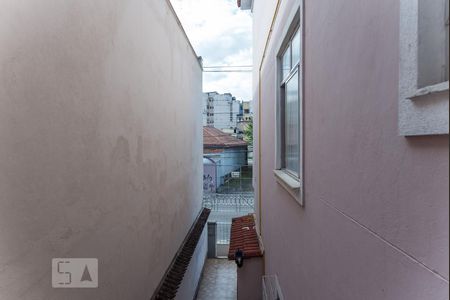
219, 280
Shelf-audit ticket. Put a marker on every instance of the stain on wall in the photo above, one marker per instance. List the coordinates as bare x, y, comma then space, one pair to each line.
90, 166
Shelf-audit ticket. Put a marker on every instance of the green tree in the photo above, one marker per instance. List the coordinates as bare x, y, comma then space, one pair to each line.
248, 133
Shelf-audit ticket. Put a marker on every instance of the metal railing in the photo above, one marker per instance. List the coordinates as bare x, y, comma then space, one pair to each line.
238, 202
225, 207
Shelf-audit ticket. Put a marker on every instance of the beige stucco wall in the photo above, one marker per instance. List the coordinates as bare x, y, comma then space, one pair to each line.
100, 132
375, 221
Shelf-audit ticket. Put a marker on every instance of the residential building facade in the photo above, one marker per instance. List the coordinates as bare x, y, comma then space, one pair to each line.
224, 153
352, 201
87, 170
220, 111
247, 111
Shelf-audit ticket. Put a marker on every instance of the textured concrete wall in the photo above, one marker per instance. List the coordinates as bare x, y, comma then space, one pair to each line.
375, 221
421, 59
100, 130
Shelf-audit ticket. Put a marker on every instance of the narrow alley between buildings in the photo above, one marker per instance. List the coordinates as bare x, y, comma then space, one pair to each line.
224, 149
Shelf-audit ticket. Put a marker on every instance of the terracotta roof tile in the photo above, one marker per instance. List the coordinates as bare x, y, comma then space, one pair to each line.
216, 138
244, 237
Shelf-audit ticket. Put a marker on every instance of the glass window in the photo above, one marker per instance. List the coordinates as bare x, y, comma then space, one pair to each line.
286, 63
432, 53
296, 48
446, 24
290, 106
292, 129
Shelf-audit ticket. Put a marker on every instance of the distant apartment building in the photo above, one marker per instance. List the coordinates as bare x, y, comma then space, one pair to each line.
221, 111
247, 111
245, 117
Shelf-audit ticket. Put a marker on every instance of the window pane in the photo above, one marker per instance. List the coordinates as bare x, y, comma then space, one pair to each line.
292, 129
296, 48
446, 21
432, 45
286, 62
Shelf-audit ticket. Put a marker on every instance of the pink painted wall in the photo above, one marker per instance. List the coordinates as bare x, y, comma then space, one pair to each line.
375, 221
249, 279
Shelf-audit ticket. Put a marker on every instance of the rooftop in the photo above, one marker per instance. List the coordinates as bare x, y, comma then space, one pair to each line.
244, 237
216, 138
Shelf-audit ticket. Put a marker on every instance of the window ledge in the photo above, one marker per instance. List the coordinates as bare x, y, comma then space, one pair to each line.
287, 179
291, 184
428, 90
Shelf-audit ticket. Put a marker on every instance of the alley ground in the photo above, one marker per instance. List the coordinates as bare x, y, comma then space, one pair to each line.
218, 274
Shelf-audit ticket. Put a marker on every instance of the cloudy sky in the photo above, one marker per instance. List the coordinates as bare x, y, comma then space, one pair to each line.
222, 34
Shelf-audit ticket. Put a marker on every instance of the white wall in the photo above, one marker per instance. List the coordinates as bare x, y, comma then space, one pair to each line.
222, 111
92, 162
189, 286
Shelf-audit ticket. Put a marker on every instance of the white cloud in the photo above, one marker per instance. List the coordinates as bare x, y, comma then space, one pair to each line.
222, 35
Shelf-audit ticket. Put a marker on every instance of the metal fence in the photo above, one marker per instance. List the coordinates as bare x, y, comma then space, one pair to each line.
223, 233
229, 202
224, 207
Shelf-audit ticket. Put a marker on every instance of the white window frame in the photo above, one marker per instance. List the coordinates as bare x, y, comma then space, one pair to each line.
293, 183
422, 111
